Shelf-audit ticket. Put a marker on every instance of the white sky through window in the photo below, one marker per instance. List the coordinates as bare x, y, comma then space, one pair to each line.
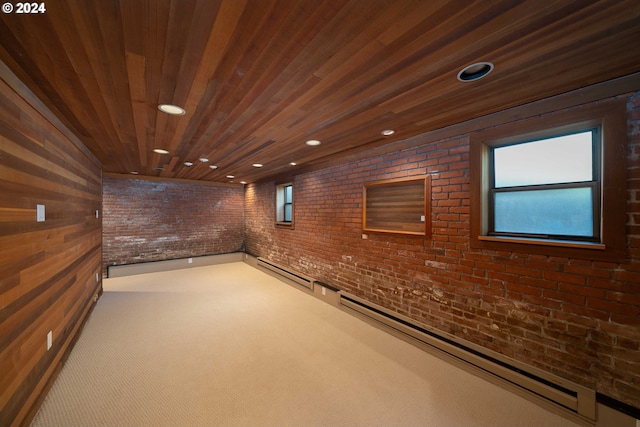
555, 160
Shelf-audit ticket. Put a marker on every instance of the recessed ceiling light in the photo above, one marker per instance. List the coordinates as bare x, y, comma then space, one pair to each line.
257, 165
171, 109
188, 164
230, 176
134, 172
213, 167
293, 163
475, 71
160, 151
204, 159
243, 182
388, 132
313, 142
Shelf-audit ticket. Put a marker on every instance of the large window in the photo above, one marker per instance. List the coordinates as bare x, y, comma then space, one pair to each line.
553, 184
284, 204
547, 188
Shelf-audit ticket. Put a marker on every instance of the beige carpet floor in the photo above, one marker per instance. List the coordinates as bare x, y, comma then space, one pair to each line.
228, 345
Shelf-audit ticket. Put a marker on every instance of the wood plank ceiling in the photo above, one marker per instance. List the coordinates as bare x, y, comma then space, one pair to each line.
258, 78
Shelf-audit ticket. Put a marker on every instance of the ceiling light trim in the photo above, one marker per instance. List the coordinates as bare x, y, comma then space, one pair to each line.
171, 109
474, 72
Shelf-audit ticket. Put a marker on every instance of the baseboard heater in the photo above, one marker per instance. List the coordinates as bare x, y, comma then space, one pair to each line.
572, 396
298, 278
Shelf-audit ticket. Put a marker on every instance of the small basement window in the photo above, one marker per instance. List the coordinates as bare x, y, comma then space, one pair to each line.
547, 188
553, 184
284, 204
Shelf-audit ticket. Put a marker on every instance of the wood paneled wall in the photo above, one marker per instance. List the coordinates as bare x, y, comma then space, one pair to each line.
48, 270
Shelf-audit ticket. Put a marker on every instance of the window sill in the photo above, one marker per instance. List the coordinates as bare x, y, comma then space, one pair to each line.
284, 225
544, 242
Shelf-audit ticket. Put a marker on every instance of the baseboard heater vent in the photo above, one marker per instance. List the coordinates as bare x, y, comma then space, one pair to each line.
578, 399
298, 278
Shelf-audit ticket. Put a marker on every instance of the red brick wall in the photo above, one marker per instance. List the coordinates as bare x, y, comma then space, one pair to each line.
575, 318
148, 220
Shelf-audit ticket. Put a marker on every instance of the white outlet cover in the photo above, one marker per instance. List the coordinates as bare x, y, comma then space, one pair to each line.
49, 340
97, 213
422, 218
40, 213
190, 260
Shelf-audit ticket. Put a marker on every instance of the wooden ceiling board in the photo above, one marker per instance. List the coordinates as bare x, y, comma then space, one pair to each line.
248, 94
259, 77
